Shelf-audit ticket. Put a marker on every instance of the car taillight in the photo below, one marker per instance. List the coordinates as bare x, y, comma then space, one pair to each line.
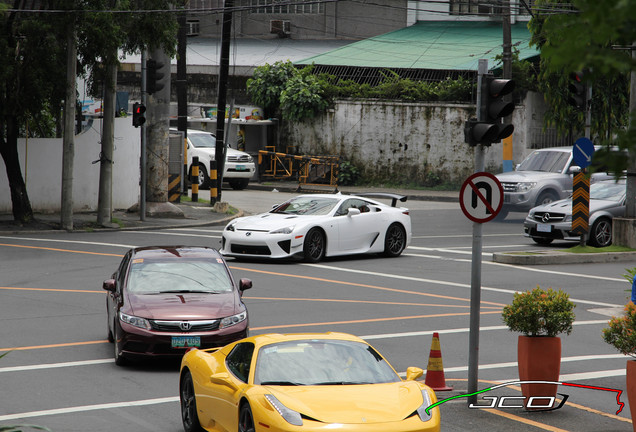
405, 212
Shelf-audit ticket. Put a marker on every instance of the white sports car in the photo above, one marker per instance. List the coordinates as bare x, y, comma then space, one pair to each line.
311, 227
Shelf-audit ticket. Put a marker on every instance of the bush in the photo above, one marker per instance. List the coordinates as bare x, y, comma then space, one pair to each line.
540, 313
621, 332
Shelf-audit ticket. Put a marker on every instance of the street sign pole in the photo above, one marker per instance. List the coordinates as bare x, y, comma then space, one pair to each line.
475, 278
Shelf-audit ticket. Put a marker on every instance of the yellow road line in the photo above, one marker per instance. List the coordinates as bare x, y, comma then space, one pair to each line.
61, 250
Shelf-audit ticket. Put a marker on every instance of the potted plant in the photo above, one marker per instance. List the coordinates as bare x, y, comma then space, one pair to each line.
621, 334
540, 315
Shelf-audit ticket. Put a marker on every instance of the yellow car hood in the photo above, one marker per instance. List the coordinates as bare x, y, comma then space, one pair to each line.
352, 404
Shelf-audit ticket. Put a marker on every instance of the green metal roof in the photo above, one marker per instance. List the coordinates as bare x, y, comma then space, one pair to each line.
440, 45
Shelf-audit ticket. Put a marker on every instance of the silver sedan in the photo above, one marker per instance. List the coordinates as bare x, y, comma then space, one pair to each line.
553, 221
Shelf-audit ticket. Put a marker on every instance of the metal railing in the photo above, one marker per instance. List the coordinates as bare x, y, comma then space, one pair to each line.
307, 170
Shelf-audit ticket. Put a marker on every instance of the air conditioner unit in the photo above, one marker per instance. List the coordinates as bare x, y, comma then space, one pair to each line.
280, 27
193, 28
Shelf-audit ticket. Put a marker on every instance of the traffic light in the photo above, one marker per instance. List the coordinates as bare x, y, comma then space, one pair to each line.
494, 108
577, 90
154, 74
139, 114
476, 132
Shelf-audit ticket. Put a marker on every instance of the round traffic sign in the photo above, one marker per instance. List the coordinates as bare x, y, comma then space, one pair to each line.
481, 197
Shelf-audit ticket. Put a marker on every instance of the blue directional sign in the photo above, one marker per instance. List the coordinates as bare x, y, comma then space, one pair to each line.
582, 152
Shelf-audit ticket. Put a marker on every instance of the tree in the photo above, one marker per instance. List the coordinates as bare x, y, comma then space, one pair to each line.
34, 62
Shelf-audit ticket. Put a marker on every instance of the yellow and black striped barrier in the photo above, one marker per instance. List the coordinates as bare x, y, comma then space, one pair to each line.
580, 204
195, 178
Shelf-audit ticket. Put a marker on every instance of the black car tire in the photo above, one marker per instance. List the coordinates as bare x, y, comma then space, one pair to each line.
189, 416
246, 419
542, 240
601, 233
204, 178
239, 184
120, 360
314, 246
546, 198
395, 240
110, 337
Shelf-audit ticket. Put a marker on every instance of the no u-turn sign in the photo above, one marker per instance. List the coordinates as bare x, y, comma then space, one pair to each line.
481, 197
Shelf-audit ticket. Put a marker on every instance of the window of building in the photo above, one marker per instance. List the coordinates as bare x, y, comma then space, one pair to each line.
488, 7
283, 7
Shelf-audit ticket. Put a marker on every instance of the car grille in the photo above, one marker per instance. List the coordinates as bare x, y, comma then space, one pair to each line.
548, 217
240, 158
175, 326
250, 250
509, 187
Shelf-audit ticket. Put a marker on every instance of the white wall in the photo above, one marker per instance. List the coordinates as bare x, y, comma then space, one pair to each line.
403, 141
41, 165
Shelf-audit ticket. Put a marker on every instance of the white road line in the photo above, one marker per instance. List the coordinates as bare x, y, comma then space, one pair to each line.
68, 241
88, 408
174, 234
55, 365
455, 284
466, 236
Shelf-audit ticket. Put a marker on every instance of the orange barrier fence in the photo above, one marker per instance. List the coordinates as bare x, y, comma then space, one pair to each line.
308, 170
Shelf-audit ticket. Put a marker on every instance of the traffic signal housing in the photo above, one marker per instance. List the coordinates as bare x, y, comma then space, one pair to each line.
139, 114
476, 132
577, 90
154, 74
494, 107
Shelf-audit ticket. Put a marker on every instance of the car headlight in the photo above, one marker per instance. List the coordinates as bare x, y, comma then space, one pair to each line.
233, 320
134, 321
250, 158
291, 416
567, 218
421, 411
230, 226
525, 187
286, 230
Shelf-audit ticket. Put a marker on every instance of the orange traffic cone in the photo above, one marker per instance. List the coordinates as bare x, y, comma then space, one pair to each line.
435, 369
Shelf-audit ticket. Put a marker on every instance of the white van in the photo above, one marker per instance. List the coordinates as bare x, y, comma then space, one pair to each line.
239, 166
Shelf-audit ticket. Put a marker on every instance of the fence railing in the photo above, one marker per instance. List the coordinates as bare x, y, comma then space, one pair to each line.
307, 170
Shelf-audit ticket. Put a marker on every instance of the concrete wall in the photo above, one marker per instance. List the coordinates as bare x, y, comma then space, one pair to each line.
402, 141
41, 165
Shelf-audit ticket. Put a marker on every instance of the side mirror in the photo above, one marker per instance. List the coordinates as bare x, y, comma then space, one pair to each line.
245, 284
109, 285
413, 373
574, 169
353, 211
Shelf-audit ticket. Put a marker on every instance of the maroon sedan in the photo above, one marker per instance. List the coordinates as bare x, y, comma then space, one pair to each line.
165, 299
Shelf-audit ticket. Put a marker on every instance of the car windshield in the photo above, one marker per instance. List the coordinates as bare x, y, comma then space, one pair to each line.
546, 161
609, 191
307, 205
321, 362
157, 276
200, 140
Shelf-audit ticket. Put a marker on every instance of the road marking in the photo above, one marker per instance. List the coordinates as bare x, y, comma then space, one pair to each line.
89, 408
65, 241
439, 282
55, 365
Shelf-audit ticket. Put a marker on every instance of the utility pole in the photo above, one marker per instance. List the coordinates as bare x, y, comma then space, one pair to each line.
630, 201
68, 151
104, 199
224, 65
507, 150
182, 84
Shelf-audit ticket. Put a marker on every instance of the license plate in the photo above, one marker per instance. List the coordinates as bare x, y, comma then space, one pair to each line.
186, 341
240, 167
544, 228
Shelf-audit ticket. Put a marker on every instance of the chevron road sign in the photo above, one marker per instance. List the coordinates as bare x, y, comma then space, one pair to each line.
580, 204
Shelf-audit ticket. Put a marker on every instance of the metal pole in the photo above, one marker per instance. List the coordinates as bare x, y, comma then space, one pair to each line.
142, 195
475, 280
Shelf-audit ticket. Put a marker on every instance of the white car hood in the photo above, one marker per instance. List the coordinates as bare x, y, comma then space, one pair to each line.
210, 152
525, 176
271, 221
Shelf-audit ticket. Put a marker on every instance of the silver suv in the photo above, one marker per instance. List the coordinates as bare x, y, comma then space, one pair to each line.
544, 176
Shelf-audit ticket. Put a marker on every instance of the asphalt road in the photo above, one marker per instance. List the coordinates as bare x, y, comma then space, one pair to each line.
59, 370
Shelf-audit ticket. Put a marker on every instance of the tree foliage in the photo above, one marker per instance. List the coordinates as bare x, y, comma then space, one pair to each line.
583, 36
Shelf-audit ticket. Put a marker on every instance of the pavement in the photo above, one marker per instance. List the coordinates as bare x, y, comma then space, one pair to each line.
192, 214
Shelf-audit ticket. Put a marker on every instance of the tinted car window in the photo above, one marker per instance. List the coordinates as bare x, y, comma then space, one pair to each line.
321, 362
238, 361
546, 161
307, 205
357, 203
153, 276
202, 140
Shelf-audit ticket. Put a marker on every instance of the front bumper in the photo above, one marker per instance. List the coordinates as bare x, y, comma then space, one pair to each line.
255, 244
138, 342
556, 231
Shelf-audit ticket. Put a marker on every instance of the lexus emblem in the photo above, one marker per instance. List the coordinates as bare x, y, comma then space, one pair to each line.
545, 218
247, 234
185, 326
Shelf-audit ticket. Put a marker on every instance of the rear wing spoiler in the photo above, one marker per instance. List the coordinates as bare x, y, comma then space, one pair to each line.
393, 197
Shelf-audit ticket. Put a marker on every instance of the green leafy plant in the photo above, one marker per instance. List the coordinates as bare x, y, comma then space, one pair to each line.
540, 312
348, 174
621, 332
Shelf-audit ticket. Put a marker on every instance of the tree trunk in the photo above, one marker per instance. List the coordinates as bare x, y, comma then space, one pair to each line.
22, 212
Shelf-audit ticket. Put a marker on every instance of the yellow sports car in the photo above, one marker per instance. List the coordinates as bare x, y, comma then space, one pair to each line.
301, 382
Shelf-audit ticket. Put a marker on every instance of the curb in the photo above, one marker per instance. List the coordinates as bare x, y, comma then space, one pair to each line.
556, 257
